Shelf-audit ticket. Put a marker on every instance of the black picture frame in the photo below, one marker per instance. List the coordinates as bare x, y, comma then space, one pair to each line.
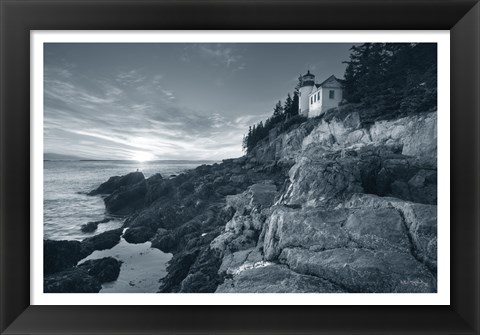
18, 17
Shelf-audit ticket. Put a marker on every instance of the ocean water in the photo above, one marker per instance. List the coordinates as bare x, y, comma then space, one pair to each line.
66, 205
142, 267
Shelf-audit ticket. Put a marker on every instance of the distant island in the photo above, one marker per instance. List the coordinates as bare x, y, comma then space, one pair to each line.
60, 157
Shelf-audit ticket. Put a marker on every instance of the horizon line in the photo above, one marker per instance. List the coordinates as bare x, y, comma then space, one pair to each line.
134, 160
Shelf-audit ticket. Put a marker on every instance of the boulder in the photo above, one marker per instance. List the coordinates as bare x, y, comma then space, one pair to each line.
381, 228
273, 278
178, 269
203, 275
126, 199
363, 270
138, 234
240, 223
151, 217
105, 240
198, 282
421, 140
313, 229
408, 179
241, 179
233, 261
337, 133
92, 226
244, 228
222, 242
205, 191
229, 242
420, 221
116, 182
417, 134
165, 242
257, 196
75, 280
226, 190
322, 180
89, 227
104, 270
157, 188
60, 255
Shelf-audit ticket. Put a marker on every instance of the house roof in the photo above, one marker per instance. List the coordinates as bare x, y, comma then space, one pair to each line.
316, 88
326, 80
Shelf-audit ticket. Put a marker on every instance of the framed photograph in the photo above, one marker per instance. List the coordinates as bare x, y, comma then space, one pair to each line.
164, 162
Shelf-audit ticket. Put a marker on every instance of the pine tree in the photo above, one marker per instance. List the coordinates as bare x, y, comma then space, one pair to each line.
288, 105
278, 110
392, 79
281, 113
295, 103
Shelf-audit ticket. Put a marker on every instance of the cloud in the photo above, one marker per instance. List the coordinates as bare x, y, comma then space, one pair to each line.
247, 120
131, 77
169, 94
103, 119
226, 55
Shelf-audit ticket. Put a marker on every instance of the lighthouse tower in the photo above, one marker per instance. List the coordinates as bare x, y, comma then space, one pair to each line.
307, 83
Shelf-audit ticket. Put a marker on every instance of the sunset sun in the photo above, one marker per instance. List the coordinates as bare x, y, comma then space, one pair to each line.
143, 156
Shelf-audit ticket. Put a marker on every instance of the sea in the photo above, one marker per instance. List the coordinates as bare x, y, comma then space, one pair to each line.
66, 184
67, 206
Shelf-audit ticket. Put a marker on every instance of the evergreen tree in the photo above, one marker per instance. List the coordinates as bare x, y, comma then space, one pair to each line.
288, 105
295, 103
278, 110
392, 79
283, 116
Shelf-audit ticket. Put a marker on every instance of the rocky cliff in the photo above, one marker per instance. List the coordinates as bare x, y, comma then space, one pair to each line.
357, 212
333, 204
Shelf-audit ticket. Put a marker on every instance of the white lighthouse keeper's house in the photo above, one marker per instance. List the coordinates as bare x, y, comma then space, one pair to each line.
315, 99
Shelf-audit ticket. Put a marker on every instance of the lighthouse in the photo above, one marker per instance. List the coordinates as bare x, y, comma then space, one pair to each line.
307, 83
316, 99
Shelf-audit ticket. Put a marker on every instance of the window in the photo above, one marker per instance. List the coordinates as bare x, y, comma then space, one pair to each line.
311, 100
331, 94
315, 98
318, 96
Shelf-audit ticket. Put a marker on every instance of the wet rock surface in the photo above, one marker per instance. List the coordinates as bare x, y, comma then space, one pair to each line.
71, 281
126, 199
138, 234
115, 183
85, 278
92, 226
105, 240
60, 255
61, 274
104, 270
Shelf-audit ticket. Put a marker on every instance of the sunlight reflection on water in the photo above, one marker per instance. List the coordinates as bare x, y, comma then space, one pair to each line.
141, 269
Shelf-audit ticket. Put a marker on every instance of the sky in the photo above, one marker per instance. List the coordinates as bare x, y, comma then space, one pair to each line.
170, 101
